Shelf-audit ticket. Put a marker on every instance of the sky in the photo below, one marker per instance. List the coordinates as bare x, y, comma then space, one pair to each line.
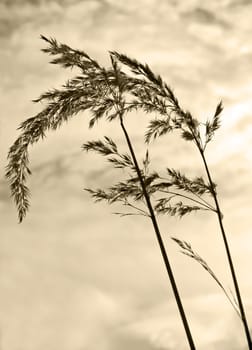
73, 275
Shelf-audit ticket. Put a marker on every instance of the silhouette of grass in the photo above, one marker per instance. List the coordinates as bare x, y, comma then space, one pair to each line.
111, 93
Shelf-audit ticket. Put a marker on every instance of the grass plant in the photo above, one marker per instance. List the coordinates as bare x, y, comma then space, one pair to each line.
111, 93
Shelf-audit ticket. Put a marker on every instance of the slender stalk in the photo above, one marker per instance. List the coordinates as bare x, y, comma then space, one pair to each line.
207, 206
159, 238
141, 211
230, 260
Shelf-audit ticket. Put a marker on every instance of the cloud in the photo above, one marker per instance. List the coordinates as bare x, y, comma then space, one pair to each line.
204, 16
213, 324
65, 318
16, 15
126, 341
238, 3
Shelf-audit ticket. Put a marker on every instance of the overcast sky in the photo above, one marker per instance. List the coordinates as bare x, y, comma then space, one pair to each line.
73, 275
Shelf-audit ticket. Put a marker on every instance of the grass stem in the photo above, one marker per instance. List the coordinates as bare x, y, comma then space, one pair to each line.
229, 256
159, 238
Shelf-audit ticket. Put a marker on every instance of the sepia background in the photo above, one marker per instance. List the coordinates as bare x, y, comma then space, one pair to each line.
73, 276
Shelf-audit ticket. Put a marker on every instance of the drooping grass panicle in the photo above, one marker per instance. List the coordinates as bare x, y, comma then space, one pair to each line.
163, 100
152, 95
32, 130
86, 91
186, 249
152, 82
